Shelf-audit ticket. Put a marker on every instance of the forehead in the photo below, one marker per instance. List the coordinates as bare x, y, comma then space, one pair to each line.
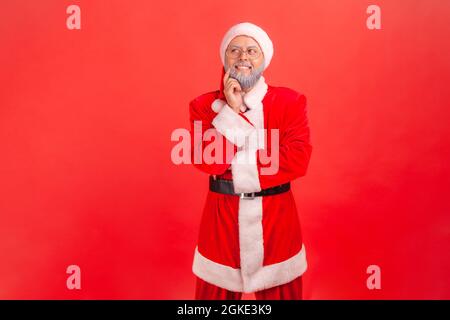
243, 41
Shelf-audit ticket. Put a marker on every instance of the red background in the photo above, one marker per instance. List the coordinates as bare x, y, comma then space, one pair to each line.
86, 117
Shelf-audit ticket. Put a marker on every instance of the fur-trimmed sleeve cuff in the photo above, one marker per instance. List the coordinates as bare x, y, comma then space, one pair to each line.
232, 126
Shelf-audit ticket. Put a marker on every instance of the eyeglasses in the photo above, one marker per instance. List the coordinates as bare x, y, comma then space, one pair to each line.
236, 52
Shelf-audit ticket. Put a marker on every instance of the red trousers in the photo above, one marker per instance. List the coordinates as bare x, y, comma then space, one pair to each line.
288, 291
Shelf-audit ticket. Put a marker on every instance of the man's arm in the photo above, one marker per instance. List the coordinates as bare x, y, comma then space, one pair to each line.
231, 128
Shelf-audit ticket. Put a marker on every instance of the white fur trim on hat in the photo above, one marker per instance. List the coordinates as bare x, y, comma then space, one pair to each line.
251, 30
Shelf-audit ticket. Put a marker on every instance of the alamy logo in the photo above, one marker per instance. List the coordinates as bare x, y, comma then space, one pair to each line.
373, 22
74, 20
374, 280
190, 147
74, 280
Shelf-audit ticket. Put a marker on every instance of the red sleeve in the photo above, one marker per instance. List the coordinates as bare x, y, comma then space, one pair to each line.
206, 141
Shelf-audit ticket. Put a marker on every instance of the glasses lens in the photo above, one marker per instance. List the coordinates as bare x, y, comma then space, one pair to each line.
235, 53
253, 53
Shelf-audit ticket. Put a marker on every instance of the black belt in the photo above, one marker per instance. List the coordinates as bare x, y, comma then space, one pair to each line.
226, 187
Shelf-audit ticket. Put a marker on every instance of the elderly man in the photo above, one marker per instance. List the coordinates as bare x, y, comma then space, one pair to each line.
250, 237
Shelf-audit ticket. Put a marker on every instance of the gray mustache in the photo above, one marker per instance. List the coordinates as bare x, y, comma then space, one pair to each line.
242, 64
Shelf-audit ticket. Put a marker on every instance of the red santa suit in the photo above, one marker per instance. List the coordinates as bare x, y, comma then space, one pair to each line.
248, 245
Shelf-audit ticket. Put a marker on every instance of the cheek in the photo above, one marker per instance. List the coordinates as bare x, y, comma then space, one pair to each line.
256, 64
229, 62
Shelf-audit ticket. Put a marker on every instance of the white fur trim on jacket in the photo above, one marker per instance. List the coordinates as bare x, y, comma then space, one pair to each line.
245, 171
245, 174
243, 166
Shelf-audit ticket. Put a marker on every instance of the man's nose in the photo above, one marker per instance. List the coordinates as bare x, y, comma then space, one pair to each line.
243, 57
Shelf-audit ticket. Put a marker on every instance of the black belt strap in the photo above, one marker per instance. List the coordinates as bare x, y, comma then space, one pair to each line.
226, 187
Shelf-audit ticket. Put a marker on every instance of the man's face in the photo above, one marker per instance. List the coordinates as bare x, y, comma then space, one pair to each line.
246, 60
244, 43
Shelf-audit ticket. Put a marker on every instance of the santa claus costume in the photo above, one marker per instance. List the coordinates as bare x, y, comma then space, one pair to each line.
251, 241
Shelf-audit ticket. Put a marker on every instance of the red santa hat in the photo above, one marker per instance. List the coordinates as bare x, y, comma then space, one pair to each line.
251, 30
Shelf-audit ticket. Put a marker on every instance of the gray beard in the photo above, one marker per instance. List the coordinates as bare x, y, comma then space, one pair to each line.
249, 81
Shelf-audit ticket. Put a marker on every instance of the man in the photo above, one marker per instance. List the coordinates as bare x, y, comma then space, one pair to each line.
250, 237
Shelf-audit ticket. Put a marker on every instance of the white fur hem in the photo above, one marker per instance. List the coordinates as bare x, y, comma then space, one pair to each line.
221, 275
266, 277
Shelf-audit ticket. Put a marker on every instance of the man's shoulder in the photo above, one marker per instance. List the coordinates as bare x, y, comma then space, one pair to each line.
285, 93
204, 100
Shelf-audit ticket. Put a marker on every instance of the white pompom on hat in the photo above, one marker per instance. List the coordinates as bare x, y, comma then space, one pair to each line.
251, 30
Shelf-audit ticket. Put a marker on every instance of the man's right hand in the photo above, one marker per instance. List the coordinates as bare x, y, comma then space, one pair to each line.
233, 92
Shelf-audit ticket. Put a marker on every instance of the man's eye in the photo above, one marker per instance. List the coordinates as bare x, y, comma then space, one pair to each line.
234, 50
251, 51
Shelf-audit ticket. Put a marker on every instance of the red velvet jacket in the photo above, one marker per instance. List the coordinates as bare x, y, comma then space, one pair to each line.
248, 245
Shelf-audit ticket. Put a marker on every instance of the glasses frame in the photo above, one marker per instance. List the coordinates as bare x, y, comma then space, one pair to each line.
228, 52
